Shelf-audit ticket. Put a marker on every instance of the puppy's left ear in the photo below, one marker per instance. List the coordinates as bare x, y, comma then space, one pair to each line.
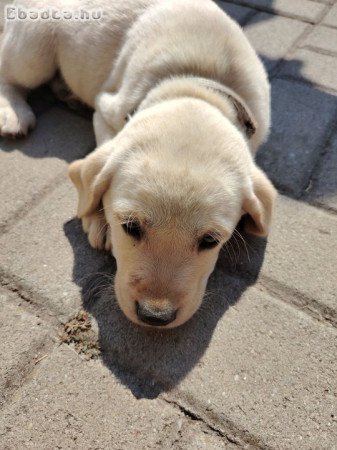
259, 203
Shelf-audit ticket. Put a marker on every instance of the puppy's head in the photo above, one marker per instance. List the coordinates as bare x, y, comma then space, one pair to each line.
173, 184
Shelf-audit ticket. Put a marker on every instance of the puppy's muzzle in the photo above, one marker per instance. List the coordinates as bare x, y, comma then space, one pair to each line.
154, 316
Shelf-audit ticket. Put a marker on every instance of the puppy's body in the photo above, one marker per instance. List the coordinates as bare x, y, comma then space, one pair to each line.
137, 44
181, 169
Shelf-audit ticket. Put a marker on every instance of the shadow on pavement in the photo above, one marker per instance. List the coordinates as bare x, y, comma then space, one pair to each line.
157, 360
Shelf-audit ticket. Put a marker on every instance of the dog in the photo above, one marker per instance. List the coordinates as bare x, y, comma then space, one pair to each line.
182, 103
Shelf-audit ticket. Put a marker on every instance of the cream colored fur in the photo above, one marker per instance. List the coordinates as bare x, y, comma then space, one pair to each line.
182, 167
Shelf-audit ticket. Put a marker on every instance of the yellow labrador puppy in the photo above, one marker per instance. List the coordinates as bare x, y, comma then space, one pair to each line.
181, 105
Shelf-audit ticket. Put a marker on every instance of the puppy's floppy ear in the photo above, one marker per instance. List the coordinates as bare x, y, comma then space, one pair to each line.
92, 177
259, 203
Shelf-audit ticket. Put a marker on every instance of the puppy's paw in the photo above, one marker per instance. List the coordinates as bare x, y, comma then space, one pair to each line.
98, 231
16, 123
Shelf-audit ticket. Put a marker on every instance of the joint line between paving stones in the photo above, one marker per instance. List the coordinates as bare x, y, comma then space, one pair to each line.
324, 12
277, 13
318, 50
322, 150
308, 305
232, 433
11, 283
193, 416
319, 205
34, 301
332, 27
22, 212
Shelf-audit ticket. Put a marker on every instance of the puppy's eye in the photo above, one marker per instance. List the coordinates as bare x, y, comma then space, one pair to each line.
207, 242
133, 229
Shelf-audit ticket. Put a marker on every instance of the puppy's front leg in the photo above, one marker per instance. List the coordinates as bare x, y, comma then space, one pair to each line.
16, 117
27, 60
103, 131
98, 230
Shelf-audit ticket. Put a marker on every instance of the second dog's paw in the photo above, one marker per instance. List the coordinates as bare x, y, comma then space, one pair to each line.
98, 231
16, 123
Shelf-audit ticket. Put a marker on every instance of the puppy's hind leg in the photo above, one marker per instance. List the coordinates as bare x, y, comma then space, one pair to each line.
25, 64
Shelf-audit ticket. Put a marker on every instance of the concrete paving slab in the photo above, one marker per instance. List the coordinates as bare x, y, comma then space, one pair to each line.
75, 404
298, 133
282, 34
23, 340
321, 38
302, 255
315, 68
323, 189
304, 10
37, 255
331, 18
31, 167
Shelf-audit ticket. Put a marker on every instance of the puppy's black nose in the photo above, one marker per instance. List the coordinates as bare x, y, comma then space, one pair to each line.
155, 317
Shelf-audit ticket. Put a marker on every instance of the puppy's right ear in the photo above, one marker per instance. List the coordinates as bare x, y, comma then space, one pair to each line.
259, 203
92, 177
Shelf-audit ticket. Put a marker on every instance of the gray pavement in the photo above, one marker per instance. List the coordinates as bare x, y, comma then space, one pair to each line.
256, 367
